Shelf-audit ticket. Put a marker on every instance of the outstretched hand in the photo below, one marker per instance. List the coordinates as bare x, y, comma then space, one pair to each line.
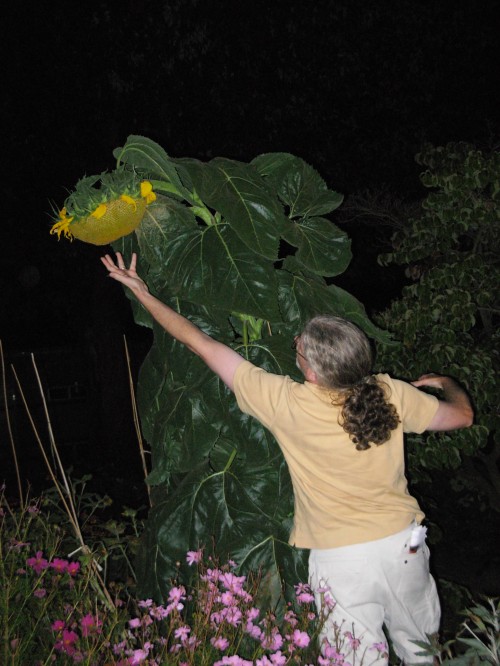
127, 276
435, 381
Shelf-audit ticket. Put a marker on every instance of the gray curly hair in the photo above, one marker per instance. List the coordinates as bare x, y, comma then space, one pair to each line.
337, 351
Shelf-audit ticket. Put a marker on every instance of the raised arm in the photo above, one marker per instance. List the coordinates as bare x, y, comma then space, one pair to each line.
219, 357
455, 410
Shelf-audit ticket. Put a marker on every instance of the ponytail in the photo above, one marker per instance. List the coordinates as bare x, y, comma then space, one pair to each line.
366, 415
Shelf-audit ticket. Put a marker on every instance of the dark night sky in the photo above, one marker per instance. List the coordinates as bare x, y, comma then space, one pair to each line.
353, 87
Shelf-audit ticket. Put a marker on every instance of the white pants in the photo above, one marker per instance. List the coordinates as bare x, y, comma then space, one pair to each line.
375, 583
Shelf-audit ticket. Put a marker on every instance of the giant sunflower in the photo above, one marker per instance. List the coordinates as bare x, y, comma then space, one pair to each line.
104, 208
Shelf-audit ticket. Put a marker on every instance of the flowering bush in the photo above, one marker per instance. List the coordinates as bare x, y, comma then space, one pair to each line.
57, 609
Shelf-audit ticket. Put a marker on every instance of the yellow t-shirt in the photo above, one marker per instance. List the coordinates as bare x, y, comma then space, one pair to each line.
342, 496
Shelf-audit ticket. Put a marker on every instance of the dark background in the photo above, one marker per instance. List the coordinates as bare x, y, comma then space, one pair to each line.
354, 88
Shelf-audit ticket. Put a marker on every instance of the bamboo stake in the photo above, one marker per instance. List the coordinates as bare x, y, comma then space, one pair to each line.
69, 507
9, 428
136, 420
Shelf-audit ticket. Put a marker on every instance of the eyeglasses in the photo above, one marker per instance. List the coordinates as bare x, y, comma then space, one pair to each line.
296, 339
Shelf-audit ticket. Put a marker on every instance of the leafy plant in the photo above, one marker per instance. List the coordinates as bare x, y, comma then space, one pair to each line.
243, 250
447, 320
477, 640
53, 609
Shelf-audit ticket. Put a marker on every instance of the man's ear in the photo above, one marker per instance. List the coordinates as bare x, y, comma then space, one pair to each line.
310, 375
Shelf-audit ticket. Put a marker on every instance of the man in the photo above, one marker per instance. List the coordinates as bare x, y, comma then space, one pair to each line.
341, 432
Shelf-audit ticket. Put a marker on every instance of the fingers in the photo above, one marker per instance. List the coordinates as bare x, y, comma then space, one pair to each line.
108, 261
119, 261
429, 380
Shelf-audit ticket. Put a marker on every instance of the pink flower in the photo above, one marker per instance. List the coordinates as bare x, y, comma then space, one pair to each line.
138, 656
159, 612
37, 563
90, 625
119, 647
176, 595
134, 623
228, 599
278, 659
353, 642
300, 638
232, 615
253, 630
182, 633
146, 603
219, 643
232, 583
381, 647
331, 654
60, 566
40, 593
233, 661
58, 625
303, 593
73, 568
67, 642
252, 614
16, 545
272, 642
194, 556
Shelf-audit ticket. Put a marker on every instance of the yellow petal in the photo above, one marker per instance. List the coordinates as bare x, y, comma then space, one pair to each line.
62, 227
150, 197
100, 211
146, 188
129, 200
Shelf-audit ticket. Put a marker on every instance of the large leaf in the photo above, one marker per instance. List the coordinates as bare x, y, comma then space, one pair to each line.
298, 185
322, 247
206, 265
244, 200
139, 151
303, 296
213, 508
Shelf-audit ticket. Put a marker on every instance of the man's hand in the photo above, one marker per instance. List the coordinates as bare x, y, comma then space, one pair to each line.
435, 381
455, 410
127, 276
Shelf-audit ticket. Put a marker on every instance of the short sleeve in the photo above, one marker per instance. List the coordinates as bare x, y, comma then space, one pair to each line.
415, 408
259, 393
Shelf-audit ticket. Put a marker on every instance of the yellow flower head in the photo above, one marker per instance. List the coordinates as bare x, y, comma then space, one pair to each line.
101, 215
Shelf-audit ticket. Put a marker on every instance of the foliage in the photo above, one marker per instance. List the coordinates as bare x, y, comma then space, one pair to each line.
447, 320
49, 604
213, 246
55, 609
476, 642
